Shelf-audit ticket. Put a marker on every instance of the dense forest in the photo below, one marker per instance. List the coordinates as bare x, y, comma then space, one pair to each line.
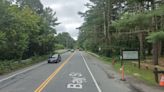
113, 25
27, 29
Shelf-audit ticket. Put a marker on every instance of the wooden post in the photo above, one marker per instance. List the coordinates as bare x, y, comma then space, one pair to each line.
139, 60
156, 74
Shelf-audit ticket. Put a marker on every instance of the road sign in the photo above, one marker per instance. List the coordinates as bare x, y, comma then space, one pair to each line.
130, 55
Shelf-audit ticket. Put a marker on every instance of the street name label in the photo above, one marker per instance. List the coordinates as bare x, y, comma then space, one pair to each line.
77, 81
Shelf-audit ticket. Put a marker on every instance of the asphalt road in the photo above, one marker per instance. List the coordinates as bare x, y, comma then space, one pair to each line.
78, 72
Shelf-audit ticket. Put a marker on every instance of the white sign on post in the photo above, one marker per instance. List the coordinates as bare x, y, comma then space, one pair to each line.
130, 55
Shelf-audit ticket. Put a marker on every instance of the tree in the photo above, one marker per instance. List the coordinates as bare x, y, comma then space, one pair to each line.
117, 24
66, 40
22, 29
35, 5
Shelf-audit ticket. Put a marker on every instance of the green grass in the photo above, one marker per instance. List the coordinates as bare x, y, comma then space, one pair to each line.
10, 66
142, 74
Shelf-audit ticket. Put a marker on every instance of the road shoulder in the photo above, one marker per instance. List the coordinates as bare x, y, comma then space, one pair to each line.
131, 81
107, 78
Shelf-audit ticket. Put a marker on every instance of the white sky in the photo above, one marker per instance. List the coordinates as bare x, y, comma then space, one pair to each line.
67, 13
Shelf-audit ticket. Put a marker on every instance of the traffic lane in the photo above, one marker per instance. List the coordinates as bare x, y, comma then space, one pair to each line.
28, 81
74, 77
107, 78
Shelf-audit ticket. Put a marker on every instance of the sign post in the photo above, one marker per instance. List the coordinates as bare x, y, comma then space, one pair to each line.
131, 55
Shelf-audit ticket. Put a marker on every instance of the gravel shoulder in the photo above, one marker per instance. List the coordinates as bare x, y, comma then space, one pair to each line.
132, 82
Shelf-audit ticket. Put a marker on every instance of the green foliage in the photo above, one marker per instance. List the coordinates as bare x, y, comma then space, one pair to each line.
115, 24
130, 22
35, 5
59, 46
156, 36
158, 12
26, 29
66, 40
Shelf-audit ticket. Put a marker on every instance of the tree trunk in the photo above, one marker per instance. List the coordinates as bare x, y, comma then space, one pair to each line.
109, 12
152, 4
159, 48
155, 53
141, 39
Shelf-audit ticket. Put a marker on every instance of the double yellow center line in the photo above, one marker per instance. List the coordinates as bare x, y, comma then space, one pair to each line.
44, 84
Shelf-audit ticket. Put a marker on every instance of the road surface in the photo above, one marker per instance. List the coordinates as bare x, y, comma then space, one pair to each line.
78, 72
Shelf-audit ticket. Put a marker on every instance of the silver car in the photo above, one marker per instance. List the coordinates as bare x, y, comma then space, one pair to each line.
54, 59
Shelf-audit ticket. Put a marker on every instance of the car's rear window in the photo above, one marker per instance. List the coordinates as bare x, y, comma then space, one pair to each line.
54, 56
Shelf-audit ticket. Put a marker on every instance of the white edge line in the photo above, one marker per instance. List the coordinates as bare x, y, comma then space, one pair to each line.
4, 79
98, 88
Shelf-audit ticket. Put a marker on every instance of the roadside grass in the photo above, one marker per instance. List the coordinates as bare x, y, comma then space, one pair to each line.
145, 75
61, 51
7, 66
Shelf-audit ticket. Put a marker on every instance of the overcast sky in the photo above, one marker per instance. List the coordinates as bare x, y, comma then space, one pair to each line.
67, 13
